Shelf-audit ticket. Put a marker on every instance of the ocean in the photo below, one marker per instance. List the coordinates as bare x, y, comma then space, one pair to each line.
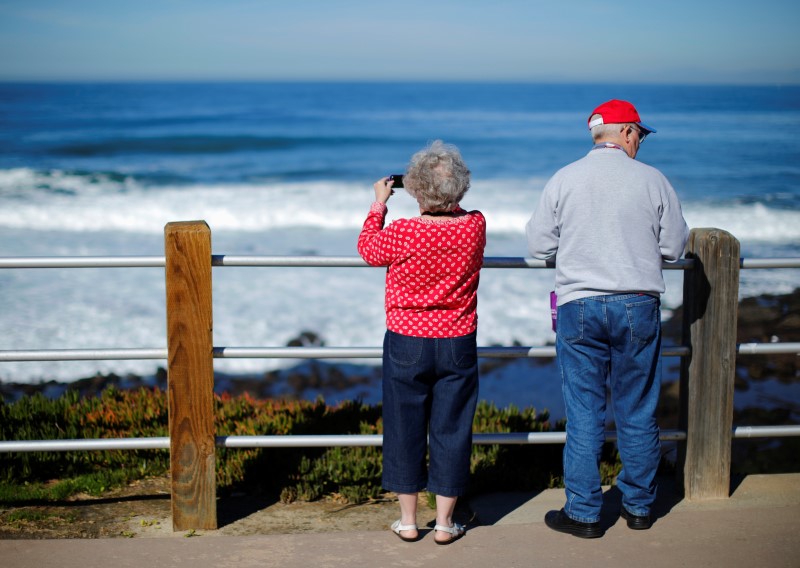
287, 169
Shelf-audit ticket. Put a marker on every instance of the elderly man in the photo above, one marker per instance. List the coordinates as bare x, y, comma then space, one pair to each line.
609, 222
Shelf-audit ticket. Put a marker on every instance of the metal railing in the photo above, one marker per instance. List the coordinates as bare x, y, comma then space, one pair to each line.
351, 440
335, 353
327, 352
696, 262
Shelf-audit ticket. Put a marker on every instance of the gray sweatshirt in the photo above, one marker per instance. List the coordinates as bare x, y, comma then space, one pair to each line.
611, 220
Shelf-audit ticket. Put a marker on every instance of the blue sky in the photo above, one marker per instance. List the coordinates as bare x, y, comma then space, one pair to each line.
670, 41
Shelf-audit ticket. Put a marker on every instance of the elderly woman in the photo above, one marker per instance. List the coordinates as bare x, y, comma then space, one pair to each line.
430, 372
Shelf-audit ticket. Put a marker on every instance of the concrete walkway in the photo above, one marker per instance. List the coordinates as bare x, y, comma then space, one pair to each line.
758, 527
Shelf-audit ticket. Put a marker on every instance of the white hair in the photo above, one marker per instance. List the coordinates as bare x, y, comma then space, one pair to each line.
603, 131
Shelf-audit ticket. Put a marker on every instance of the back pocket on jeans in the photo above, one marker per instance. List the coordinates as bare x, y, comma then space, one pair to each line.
644, 319
402, 349
464, 350
570, 321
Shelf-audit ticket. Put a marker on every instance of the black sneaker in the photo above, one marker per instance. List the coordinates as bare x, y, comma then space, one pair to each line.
636, 522
559, 521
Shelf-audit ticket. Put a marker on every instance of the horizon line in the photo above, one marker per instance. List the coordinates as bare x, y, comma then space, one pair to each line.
8, 81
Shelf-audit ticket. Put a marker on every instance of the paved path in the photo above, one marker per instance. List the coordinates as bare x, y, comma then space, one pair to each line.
758, 527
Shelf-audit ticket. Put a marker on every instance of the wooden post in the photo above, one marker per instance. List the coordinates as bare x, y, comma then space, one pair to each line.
710, 305
190, 375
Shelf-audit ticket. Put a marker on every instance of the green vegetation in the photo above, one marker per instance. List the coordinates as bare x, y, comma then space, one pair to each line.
19, 518
352, 474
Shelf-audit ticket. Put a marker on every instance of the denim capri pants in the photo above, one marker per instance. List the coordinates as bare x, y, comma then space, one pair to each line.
430, 390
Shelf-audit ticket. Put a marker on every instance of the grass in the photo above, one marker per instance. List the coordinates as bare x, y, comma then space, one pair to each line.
94, 484
21, 517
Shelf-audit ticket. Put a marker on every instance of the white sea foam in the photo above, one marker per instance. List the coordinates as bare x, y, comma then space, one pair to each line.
71, 202
754, 222
66, 214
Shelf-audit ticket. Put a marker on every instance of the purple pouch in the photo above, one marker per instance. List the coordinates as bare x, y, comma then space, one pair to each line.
553, 308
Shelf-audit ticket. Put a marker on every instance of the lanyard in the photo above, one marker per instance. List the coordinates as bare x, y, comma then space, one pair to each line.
607, 145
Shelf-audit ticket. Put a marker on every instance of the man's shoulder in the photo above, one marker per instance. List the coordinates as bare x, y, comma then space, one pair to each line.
646, 167
576, 164
653, 176
573, 168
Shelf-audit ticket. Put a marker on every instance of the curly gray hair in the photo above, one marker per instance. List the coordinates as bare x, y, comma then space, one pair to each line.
437, 177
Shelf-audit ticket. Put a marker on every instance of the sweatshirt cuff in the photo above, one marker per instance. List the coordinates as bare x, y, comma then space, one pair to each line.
378, 207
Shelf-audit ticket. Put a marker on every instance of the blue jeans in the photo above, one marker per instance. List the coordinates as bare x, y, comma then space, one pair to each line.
615, 338
430, 389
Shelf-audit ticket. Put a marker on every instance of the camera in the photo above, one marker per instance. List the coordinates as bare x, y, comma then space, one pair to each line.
398, 180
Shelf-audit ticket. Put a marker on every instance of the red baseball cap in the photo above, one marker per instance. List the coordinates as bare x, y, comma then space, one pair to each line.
616, 111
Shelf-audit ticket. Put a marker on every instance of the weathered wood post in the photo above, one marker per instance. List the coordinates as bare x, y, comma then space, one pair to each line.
190, 375
710, 304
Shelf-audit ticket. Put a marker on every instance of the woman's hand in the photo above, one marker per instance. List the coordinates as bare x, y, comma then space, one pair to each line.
383, 189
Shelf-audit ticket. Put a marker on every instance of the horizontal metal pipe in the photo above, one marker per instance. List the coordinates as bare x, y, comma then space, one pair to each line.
667, 435
341, 352
680, 264
284, 261
377, 352
767, 348
300, 441
350, 440
249, 353
516, 352
292, 441
310, 441
769, 263
765, 431
516, 262
320, 261
82, 354
361, 352
519, 438
155, 443
354, 261
676, 351
664, 435
288, 261
83, 262
298, 352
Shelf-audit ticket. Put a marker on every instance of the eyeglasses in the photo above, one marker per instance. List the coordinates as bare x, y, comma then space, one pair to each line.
642, 133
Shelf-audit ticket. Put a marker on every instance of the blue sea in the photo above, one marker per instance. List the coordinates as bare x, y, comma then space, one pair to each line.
287, 169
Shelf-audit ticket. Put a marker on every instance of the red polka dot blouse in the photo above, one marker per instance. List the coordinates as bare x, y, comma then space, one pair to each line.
433, 270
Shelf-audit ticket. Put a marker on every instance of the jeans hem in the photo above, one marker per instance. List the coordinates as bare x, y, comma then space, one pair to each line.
447, 491
582, 519
403, 487
638, 512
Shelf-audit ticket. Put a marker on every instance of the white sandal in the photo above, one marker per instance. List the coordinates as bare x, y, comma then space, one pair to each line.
457, 531
397, 526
